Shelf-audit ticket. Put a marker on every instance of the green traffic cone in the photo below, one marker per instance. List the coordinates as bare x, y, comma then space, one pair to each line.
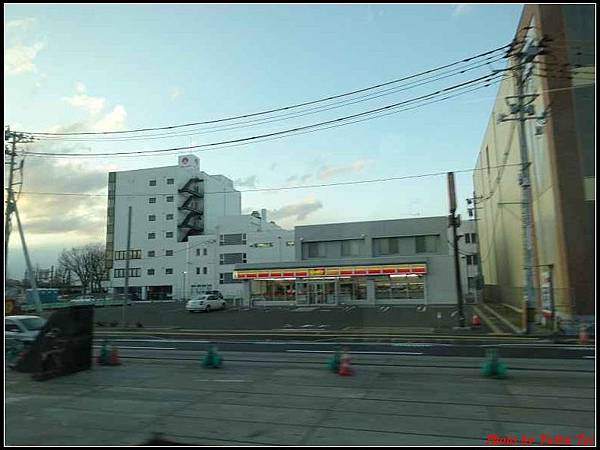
212, 358
334, 363
492, 367
104, 354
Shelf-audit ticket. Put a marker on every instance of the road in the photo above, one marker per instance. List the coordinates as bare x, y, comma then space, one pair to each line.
280, 398
190, 348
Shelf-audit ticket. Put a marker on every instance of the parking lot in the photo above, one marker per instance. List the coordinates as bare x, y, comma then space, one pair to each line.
328, 318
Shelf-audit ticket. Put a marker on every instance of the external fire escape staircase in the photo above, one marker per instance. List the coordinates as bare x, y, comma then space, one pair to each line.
192, 222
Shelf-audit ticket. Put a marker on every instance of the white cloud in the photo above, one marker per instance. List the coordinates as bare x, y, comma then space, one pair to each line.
113, 121
175, 93
249, 182
299, 210
328, 172
93, 105
19, 24
20, 58
461, 9
80, 87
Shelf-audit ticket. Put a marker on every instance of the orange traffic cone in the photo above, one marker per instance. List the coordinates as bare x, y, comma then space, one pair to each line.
476, 321
114, 356
345, 365
583, 335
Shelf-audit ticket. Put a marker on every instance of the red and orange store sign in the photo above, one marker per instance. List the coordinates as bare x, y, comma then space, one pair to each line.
342, 271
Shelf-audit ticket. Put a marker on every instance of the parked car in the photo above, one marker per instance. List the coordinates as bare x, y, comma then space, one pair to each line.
83, 300
205, 303
23, 328
217, 293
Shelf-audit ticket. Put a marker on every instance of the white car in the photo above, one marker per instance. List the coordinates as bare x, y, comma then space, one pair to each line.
23, 328
205, 303
83, 301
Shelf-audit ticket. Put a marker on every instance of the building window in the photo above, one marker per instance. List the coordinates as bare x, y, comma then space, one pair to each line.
205, 270
471, 260
472, 282
169, 253
227, 278
170, 180
169, 234
204, 251
151, 235
232, 258
152, 183
290, 243
152, 200
262, 245
197, 270
150, 271
169, 198
352, 247
151, 253
385, 246
151, 218
169, 271
427, 244
133, 254
197, 252
120, 273
467, 238
232, 239
314, 250
169, 216
473, 238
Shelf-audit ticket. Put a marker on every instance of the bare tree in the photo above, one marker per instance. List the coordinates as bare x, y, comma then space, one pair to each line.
87, 263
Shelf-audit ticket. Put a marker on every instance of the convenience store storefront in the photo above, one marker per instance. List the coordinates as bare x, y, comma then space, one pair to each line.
335, 285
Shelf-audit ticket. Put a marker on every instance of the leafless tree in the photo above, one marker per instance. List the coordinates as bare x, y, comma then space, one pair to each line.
87, 263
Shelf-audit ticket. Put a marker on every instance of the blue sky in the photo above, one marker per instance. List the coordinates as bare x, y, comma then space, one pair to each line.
124, 67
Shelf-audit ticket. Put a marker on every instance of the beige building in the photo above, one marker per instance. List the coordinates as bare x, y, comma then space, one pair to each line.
561, 149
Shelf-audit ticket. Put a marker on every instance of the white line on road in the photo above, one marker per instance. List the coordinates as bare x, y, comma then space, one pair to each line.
366, 353
162, 341
589, 357
226, 381
140, 348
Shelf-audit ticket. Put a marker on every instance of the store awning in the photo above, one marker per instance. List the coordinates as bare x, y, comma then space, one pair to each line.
340, 271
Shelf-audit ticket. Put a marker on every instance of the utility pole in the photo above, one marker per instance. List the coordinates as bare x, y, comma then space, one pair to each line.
522, 111
454, 224
11, 207
127, 258
479, 284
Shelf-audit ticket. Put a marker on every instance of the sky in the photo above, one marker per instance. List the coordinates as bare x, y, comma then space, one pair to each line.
120, 67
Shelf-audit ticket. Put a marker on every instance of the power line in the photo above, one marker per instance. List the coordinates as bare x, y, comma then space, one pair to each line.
279, 188
281, 108
485, 79
287, 116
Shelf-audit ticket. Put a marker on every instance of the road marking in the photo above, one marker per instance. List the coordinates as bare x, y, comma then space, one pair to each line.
162, 341
225, 381
353, 352
141, 348
589, 357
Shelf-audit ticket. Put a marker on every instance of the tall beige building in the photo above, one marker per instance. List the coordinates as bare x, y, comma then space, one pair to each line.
561, 149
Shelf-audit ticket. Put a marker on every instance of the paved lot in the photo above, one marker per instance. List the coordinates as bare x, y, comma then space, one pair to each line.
274, 402
402, 319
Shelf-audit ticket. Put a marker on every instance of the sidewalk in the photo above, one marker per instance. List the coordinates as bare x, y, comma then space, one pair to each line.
274, 403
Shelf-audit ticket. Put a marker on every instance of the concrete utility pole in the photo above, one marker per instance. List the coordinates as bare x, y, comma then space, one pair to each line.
522, 111
454, 224
11, 207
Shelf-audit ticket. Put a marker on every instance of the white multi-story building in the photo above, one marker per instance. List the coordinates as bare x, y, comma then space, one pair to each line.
187, 233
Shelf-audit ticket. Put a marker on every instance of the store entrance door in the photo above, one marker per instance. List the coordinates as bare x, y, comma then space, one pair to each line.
320, 292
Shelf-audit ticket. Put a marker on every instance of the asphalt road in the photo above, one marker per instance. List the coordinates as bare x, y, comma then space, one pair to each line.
405, 319
269, 398
191, 348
